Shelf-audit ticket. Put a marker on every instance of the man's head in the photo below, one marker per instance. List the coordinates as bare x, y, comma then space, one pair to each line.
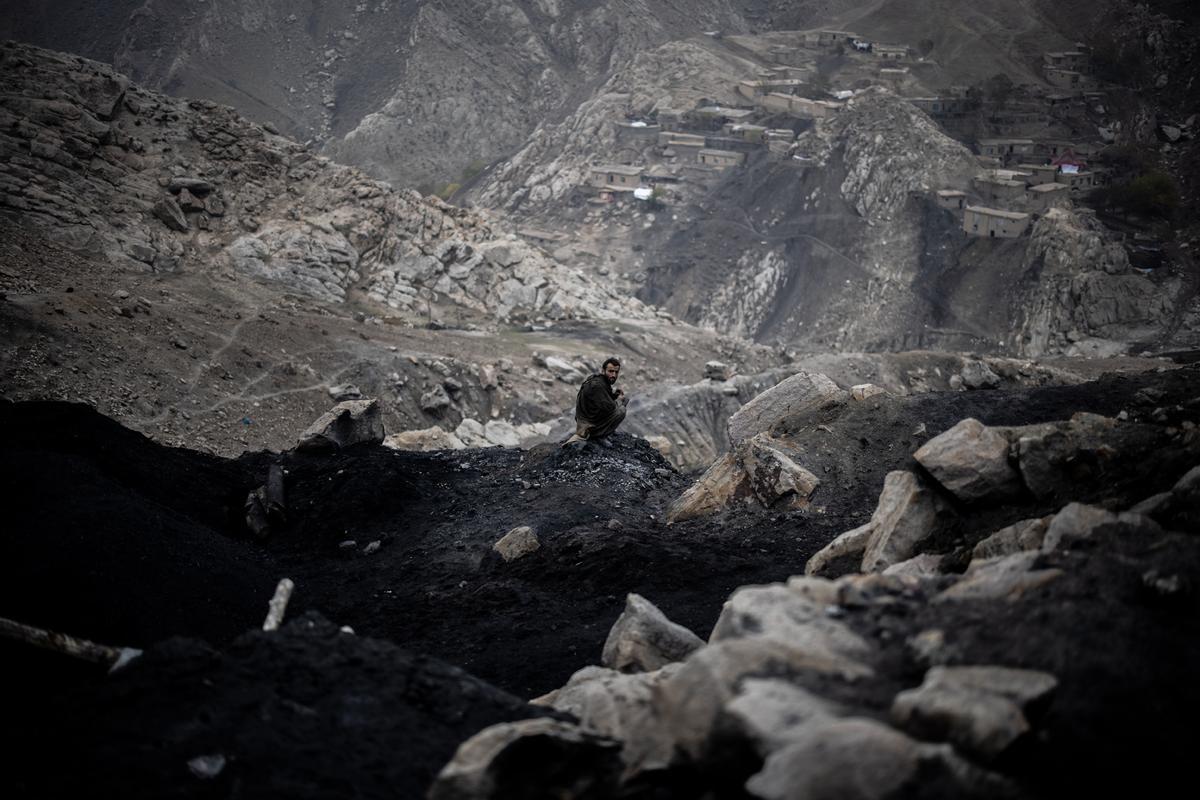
610, 369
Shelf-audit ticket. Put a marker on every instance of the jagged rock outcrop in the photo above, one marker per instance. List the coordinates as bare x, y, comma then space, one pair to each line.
1085, 298
103, 166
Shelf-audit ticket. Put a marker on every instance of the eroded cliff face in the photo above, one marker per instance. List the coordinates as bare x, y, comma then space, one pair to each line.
158, 184
1083, 296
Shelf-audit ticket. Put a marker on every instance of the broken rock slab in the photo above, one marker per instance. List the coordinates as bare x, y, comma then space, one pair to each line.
827, 561
1024, 535
839, 758
790, 616
785, 406
348, 423
620, 706
424, 441
770, 712
530, 758
692, 699
519, 542
1078, 522
981, 710
643, 639
907, 514
971, 461
1007, 578
170, 214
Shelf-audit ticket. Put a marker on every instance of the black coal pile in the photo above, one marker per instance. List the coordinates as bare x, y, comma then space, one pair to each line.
308, 711
115, 538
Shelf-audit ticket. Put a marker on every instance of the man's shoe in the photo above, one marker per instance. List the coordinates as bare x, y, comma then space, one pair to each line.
574, 439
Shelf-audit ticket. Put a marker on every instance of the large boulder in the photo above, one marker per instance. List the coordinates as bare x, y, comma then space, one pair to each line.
770, 712
786, 406
1026, 534
971, 461
643, 639
349, 423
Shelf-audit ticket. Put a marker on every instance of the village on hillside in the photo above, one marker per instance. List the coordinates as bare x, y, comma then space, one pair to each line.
1031, 140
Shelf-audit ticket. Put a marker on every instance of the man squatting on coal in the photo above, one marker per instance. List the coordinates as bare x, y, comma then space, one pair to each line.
599, 408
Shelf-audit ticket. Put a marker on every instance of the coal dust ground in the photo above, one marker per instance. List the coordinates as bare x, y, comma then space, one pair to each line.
113, 537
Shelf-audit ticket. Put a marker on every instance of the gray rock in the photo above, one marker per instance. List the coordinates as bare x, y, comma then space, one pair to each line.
424, 441
1007, 578
1076, 521
692, 699
643, 639
345, 391
171, 215
838, 759
1024, 535
981, 710
971, 461
717, 371
801, 397
435, 401
850, 543
189, 202
196, 186
770, 712
774, 476
505, 760
926, 565
907, 514
862, 391
620, 706
978, 375
518, 542
348, 423
789, 616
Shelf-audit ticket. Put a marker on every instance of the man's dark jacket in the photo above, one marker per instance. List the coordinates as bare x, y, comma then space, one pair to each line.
598, 410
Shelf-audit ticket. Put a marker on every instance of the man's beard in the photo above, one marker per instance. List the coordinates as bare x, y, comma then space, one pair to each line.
611, 381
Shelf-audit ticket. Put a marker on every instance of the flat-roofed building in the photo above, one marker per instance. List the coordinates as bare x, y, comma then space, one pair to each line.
997, 189
890, 52
994, 223
1005, 148
951, 199
720, 159
1038, 173
615, 177
1045, 196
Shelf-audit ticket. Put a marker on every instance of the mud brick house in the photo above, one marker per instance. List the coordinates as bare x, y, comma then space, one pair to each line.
1064, 78
1076, 60
637, 129
1038, 174
890, 52
994, 223
720, 159
997, 189
615, 177
1006, 149
1045, 196
951, 199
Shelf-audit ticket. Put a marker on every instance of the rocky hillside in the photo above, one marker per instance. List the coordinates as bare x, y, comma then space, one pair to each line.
417, 93
214, 279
